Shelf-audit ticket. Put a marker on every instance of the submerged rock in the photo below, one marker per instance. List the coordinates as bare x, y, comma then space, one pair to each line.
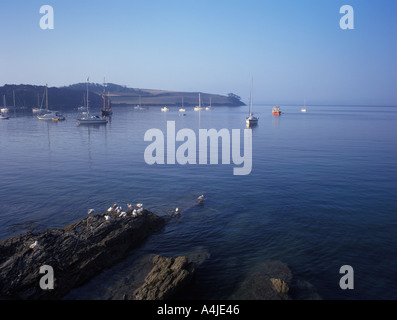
273, 280
76, 253
167, 278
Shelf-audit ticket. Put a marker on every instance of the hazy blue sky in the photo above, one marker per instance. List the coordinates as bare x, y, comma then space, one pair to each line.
293, 49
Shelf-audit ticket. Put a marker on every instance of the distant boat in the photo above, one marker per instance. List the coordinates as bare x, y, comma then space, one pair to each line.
251, 120
210, 106
3, 114
304, 108
182, 109
107, 108
198, 108
37, 110
91, 119
276, 111
49, 114
165, 109
139, 106
4, 109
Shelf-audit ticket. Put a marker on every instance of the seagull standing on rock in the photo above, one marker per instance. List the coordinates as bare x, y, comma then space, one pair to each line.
90, 211
107, 218
34, 244
112, 208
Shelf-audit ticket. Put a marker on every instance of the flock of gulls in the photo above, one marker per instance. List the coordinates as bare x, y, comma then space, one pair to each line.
116, 209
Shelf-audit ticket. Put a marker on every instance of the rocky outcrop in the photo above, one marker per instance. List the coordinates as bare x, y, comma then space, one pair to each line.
168, 277
273, 280
76, 253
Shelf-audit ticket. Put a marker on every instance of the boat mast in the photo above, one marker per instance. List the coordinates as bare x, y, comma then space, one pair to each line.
252, 83
88, 79
46, 97
104, 94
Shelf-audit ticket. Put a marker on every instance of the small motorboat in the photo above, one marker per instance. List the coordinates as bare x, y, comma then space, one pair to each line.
276, 111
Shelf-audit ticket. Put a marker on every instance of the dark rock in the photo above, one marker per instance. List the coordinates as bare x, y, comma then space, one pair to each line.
273, 280
167, 278
76, 253
269, 281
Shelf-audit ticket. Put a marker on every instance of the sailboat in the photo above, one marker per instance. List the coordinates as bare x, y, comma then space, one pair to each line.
49, 114
165, 109
107, 109
198, 108
3, 115
4, 109
91, 119
304, 108
251, 119
182, 109
210, 106
36, 110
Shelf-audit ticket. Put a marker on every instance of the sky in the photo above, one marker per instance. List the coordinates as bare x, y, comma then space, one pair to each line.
293, 50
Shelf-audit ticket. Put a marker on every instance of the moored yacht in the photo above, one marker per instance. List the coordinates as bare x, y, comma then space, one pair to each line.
88, 118
251, 120
49, 114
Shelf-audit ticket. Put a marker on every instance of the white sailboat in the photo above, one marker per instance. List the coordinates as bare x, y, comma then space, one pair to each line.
88, 118
37, 110
198, 108
182, 109
210, 106
4, 109
251, 119
49, 114
304, 108
3, 115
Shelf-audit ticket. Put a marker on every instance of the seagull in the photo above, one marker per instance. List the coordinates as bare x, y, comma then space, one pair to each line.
139, 205
134, 213
110, 209
130, 206
34, 244
123, 214
91, 211
177, 210
201, 198
107, 218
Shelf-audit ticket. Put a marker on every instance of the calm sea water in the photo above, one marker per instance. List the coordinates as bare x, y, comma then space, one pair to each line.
322, 192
